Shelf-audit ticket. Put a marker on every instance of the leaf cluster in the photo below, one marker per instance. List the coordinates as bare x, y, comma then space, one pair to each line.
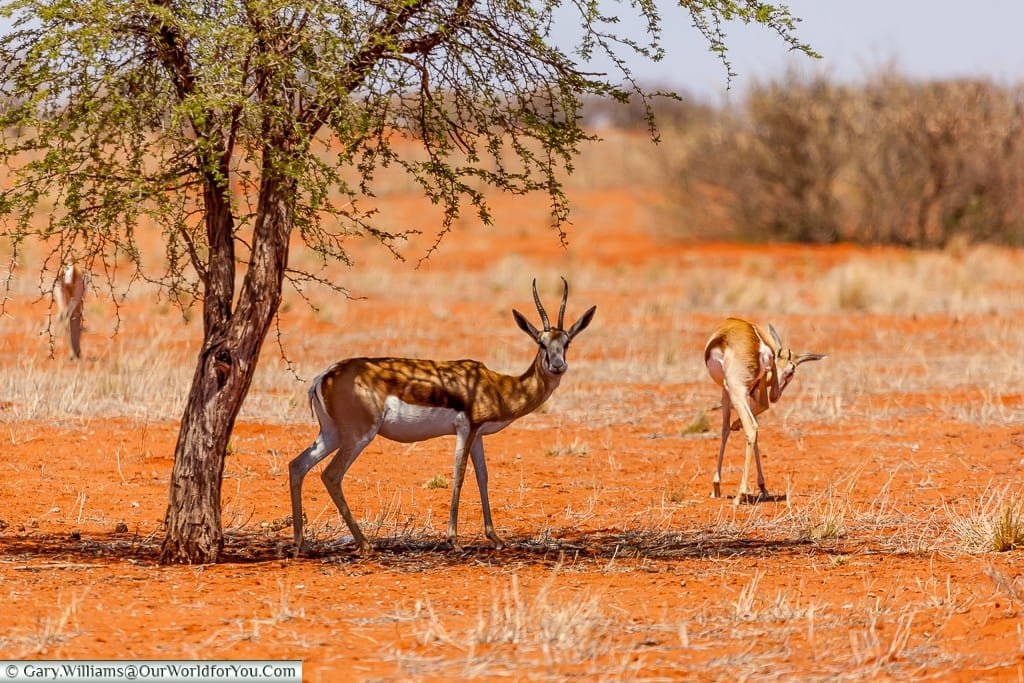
122, 113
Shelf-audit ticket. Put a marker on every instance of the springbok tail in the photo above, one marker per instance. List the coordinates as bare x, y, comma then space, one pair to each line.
317, 406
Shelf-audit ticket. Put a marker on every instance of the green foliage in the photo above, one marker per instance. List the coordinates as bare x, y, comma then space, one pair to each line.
128, 111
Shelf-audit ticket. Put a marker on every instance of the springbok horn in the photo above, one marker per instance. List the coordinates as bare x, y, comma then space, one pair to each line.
540, 307
565, 297
775, 336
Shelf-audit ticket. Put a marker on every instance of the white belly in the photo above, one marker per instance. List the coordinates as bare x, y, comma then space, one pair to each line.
492, 427
407, 422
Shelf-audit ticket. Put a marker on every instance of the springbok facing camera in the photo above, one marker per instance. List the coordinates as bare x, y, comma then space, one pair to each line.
409, 400
746, 364
69, 295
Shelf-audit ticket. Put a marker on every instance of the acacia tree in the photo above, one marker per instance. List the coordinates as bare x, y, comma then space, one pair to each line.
234, 124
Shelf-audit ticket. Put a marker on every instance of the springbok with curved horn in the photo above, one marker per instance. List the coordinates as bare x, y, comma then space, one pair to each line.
409, 400
746, 364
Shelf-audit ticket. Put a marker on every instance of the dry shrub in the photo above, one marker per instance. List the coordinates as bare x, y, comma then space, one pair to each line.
890, 161
937, 161
995, 523
564, 630
700, 424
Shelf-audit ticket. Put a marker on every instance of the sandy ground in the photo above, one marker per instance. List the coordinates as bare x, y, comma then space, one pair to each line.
892, 454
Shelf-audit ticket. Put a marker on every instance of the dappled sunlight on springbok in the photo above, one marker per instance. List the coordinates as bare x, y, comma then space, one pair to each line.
410, 400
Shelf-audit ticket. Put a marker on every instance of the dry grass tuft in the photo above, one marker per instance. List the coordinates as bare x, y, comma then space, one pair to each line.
823, 519
577, 447
438, 481
699, 425
564, 630
53, 629
994, 523
569, 630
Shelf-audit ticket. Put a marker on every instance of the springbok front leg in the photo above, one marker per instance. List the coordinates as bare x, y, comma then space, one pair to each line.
476, 451
464, 438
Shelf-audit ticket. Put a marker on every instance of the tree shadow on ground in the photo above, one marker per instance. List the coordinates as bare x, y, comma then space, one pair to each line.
422, 551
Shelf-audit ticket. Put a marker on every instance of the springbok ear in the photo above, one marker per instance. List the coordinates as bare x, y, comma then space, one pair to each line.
804, 357
775, 336
582, 323
526, 326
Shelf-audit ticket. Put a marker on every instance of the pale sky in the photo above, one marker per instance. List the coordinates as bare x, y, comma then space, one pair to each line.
923, 38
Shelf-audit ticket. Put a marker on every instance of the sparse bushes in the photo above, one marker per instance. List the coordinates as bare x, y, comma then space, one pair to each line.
891, 161
939, 161
792, 146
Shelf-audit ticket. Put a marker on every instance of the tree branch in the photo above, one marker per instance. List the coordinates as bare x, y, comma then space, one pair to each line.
382, 41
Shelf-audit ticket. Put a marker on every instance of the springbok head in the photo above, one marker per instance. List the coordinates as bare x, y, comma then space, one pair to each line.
553, 341
786, 361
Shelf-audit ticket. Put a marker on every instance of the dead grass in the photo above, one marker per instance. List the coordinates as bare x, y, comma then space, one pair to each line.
572, 629
145, 376
619, 566
994, 522
700, 425
55, 625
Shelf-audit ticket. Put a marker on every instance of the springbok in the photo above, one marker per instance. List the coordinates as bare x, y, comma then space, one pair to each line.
407, 400
746, 364
69, 295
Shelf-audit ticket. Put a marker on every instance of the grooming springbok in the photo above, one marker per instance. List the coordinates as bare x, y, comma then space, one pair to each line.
753, 371
409, 400
69, 294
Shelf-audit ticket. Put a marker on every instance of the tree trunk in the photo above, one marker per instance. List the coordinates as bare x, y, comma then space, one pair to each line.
194, 531
226, 365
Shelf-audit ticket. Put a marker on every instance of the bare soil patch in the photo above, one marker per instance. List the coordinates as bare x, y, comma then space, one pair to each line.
894, 454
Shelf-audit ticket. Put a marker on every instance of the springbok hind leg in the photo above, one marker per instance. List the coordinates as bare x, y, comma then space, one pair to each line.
333, 474
739, 400
716, 482
325, 444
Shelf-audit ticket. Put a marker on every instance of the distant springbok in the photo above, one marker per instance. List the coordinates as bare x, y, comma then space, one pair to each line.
69, 295
410, 400
746, 364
